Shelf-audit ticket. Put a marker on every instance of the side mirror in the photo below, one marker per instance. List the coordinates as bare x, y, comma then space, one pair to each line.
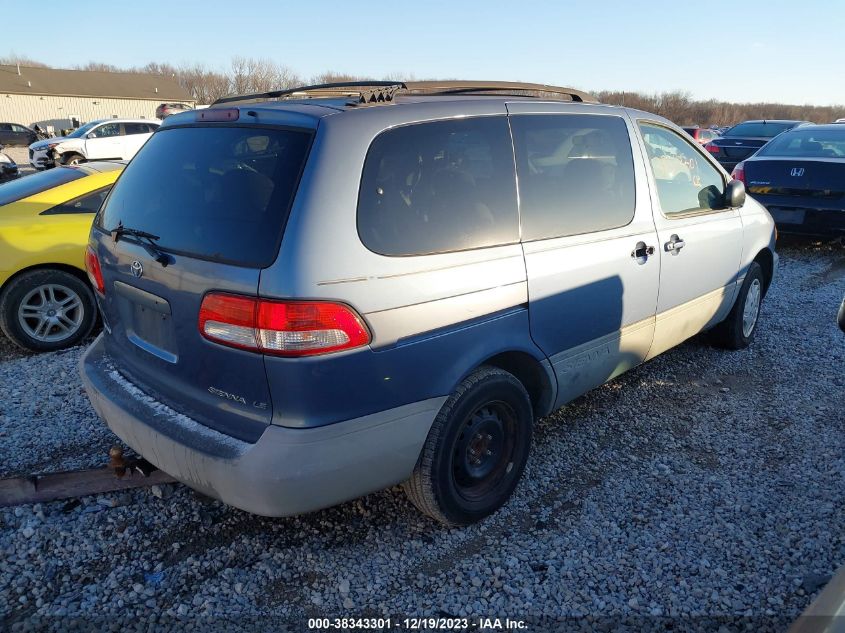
90, 135
735, 194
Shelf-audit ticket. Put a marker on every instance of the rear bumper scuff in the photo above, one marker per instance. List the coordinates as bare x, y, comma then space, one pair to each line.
286, 472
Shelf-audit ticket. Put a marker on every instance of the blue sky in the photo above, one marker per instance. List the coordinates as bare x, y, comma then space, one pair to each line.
737, 50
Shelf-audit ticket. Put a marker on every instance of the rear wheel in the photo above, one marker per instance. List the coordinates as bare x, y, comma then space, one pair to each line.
737, 330
46, 310
476, 449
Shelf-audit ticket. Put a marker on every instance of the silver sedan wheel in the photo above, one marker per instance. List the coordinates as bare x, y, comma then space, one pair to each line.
51, 313
751, 310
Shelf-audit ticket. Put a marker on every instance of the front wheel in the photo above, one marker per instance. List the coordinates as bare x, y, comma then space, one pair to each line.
476, 449
738, 328
47, 310
72, 159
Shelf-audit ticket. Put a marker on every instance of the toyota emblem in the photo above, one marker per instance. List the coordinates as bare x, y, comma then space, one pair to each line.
136, 268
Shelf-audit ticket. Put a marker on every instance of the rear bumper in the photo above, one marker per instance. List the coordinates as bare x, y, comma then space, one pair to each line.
286, 472
807, 220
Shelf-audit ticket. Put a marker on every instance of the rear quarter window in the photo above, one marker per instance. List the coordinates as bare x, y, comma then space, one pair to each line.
215, 192
439, 187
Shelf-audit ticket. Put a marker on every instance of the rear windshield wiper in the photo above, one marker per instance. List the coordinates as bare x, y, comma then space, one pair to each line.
147, 240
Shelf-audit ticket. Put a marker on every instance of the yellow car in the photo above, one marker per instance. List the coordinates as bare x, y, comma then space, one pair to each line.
46, 300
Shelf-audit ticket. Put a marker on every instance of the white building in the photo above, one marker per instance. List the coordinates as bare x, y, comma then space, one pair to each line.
66, 98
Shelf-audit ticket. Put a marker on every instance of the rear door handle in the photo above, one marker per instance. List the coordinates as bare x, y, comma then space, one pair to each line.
674, 245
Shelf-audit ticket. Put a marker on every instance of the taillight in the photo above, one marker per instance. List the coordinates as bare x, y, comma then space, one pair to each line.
282, 328
738, 173
95, 273
712, 148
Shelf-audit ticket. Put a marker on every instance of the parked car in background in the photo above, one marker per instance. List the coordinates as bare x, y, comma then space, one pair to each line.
46, 301
839, 121
800, 178
8, 167
164, 110
745, 138
702, 135
14, 134
106, 139
309, 299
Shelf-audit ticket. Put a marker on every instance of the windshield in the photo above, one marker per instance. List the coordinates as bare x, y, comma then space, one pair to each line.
83, 130
36, 183
220, 193
759, 130
807, 143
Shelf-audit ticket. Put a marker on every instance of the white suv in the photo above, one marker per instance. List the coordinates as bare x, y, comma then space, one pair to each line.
117, 139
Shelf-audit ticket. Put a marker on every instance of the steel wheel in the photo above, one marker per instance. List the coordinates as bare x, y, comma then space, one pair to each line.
51, 313
751, 309
484, 450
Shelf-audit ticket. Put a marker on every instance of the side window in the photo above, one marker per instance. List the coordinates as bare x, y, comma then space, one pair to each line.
18, 128
89, 203
107, 130
135, 128
686, 182
576, 173
439, 187
150, 128
5, 127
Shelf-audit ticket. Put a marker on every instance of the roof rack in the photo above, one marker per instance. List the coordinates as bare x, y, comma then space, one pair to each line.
365, 92
503, 88
361, 91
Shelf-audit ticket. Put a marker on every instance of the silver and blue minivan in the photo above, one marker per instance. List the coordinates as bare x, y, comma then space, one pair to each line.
312, 294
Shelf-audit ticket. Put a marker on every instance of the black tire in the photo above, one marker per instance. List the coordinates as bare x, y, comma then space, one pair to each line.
71, 158
732, 333
72, 323
476, 449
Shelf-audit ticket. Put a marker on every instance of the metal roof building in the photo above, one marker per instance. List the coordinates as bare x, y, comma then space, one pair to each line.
57, 97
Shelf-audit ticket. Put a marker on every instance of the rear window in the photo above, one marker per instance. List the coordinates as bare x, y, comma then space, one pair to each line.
807, 143
759, 130
439, 187
36, 183
220, 193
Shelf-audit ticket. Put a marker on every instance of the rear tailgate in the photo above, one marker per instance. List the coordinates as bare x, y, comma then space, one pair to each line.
820, 181
216, 197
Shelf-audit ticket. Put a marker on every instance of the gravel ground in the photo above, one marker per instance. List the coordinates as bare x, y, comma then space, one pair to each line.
702, 490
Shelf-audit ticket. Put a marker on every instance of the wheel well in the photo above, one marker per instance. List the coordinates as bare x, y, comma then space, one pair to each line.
76, 272
531, 374
767, 263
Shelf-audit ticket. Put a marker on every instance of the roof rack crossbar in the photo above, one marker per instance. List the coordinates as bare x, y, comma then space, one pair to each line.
363, 92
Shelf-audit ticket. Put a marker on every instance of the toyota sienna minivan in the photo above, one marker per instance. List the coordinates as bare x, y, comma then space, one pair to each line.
312, 294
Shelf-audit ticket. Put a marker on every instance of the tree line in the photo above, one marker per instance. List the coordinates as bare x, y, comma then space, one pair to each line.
248, 75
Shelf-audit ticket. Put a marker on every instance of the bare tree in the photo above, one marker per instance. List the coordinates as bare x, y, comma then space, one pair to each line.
101, 67
13, 59
250, 75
